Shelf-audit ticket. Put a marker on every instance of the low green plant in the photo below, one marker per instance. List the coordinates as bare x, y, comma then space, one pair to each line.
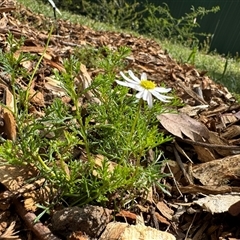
148, 18
63, 144
192, 56
160, 24
120, 13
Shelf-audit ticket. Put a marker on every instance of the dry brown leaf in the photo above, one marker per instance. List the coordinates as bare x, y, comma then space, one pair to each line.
34, 49
36, 97
228, 118
149, 196
10, 126
214, 138
161, 219
8, 98
231, 132
191, 93
173, 167
55, 87
179, 124
237, 114
27, 64
123, 231
218, 203
7, 9
192, 110
127, 214
99, 164
5, 200
85, 82
41, 195
3, 21
64, 167
218, 172
165, 210
13, 176
9, 233
78, 235
204, 154
56, 65
30, 204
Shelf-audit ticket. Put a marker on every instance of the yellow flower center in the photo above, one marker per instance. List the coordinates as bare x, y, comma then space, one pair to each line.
147, 84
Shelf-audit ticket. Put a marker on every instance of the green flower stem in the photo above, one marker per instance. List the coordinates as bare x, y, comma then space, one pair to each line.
42, 163
36, 68
135, 121
133, 128
82, 128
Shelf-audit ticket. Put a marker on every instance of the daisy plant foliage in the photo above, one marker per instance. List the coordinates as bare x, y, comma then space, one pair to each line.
63, 143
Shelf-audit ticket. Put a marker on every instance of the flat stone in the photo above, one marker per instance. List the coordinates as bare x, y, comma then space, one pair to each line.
91, 220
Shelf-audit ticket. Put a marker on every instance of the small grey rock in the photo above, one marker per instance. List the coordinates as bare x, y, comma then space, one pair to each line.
90, 220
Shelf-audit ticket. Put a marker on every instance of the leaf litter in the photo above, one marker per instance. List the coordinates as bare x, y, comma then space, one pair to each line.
182, 124
203, 158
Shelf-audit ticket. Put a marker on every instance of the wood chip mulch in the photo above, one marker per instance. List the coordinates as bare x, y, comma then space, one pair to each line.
204, 166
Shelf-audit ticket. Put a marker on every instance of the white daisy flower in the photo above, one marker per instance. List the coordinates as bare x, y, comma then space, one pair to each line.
145, 88
54, 6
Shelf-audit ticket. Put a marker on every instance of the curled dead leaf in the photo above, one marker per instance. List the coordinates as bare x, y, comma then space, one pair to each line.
10, 126
218, 203
182, 124
99, 159
10, 233
85, 82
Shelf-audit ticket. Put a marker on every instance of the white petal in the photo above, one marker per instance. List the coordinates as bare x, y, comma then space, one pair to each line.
58, 11
156, 93
162, 89
131, 74
144, 76
128, 79
139, 94
160, 96
146, 95
52, 3
54, 6
126, 84
139, 88
150, 100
